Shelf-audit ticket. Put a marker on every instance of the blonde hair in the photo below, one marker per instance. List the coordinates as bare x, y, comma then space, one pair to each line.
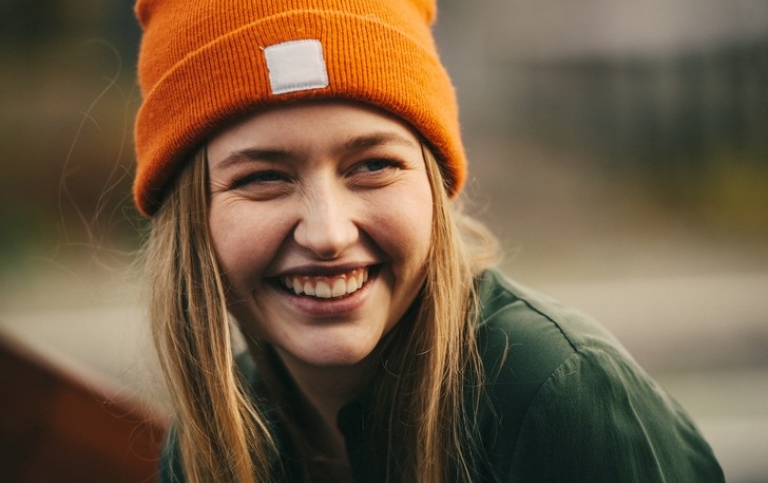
424, 394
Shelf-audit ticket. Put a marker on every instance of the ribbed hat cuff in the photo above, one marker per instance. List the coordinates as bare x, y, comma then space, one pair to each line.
228, 78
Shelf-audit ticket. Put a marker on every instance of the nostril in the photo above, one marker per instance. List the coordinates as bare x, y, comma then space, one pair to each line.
326, 237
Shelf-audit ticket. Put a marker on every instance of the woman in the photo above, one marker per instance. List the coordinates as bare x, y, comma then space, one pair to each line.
299, 160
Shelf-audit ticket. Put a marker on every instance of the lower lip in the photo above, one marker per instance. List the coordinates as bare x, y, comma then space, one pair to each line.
330, 308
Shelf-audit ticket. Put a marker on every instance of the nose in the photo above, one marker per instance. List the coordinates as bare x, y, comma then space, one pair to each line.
327, 225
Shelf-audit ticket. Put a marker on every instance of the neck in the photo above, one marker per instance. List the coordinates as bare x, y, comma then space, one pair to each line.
328, 389
324, 391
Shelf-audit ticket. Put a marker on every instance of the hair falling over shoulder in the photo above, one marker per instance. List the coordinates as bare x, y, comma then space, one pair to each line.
424, 396
433, 375
221, 435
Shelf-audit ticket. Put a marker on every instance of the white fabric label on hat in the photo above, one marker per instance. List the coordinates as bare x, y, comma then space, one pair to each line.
297, 65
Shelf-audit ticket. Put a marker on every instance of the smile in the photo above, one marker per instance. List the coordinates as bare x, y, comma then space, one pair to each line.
326, 287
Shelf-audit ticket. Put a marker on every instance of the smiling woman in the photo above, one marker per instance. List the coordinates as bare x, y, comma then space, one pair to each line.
300, 162
334, 193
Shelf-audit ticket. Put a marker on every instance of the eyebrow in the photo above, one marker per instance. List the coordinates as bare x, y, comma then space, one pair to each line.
354, 144
252, 154
360, 143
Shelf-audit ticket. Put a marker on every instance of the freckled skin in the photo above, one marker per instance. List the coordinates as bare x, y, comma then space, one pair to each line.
319, 189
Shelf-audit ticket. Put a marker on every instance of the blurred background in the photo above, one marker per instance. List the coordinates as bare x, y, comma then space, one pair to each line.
619, 149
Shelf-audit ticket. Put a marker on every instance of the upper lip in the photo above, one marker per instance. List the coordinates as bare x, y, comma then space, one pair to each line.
319, 270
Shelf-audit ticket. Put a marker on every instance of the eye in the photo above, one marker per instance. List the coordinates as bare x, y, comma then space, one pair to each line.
374, 173
259, 177
376, 165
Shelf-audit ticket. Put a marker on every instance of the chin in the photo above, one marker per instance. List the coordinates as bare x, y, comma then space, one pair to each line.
334, 356
331, 350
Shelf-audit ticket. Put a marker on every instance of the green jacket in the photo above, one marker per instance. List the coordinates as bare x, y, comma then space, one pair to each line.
565, 403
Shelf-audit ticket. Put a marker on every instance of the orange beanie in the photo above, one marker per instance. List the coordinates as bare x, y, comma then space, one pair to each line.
203, 64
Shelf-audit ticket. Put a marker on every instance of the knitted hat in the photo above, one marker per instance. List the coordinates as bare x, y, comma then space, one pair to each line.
204, 63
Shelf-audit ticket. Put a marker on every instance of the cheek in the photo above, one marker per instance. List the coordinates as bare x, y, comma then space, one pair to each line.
245, 240
419, 223
403, 224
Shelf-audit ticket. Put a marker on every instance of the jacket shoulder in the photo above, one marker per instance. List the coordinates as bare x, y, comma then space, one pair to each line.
524, 335
564, 401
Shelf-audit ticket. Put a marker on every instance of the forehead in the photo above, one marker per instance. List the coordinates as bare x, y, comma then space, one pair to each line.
312, 125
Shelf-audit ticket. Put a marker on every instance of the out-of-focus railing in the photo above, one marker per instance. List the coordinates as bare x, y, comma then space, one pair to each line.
61, 424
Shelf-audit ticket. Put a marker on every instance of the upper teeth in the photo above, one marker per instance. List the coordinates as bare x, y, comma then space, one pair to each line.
327, 287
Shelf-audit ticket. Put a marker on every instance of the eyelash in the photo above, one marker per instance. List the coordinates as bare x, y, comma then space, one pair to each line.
383, 163
258, 177
268, 177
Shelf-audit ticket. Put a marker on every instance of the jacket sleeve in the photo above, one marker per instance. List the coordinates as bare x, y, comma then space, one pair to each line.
600, 419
